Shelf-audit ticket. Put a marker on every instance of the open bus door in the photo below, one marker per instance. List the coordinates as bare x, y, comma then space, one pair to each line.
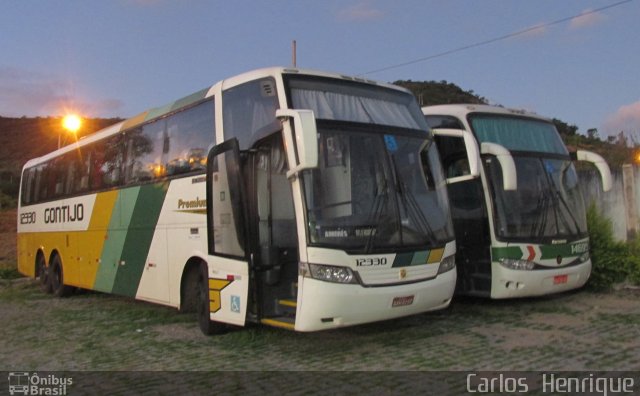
228, 269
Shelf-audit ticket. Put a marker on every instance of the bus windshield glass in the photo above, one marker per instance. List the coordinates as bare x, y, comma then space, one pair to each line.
547, 204
517, 133
340, 100
379, 183
374, 189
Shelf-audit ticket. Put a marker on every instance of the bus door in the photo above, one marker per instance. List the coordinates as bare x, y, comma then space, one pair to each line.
461, 162
228, 263
273, 234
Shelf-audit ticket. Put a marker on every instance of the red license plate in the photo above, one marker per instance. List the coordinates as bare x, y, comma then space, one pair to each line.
400, 301
560, 279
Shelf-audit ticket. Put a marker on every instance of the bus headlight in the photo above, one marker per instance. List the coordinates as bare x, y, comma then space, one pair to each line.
331, 273
447, 264
514, 264
584, 257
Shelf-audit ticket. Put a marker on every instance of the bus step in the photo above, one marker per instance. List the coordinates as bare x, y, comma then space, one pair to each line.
283, 322
481, 276
288, 303
286, 307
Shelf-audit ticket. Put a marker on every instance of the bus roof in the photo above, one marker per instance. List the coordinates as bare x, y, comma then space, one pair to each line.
462, 110
195, 97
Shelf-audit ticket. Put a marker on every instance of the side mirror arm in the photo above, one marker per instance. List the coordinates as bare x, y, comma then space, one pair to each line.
509, 175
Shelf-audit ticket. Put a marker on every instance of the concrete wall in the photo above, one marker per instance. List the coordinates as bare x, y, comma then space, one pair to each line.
613, 204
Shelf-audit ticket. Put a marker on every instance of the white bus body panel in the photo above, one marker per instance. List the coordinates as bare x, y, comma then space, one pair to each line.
509, 283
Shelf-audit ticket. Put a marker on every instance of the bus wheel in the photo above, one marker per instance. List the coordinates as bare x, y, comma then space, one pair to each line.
207, 326
56, 278
42, 273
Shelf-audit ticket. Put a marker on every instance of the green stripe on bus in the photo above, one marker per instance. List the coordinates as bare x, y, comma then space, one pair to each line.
116, 236
409, 259
564, 250
511, 252
187, 100
136, 246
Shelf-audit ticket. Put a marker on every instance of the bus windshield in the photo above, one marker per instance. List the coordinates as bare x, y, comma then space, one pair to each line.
548, 204
377, 190
517, 133
379, 184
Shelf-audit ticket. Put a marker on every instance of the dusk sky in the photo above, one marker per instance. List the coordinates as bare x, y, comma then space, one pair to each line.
121, 57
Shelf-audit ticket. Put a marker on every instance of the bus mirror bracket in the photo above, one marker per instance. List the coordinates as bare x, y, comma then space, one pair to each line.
599, 162
509, 175
471, 147
300, 139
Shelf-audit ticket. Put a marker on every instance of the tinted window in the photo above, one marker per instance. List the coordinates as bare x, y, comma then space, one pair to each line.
171, 146
250, 111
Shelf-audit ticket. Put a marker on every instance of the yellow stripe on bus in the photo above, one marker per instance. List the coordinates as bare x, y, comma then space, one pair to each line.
91, 242
215, 289
435, 256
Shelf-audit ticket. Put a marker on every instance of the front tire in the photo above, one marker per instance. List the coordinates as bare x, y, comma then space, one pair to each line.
207, 326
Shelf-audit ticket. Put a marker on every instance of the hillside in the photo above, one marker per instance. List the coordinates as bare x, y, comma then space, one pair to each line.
431, 93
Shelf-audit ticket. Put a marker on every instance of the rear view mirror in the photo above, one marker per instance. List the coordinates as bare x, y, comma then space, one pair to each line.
300, 139
509, 175
600, 163
471, 148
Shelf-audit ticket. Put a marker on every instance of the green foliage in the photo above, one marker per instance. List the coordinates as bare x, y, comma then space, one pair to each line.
613, 261
7, 201
435, 93
9, 273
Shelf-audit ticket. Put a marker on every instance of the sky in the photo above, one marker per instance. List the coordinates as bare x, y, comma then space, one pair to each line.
118, 58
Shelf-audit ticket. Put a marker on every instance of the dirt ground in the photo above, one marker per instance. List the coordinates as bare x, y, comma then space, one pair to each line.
8, 238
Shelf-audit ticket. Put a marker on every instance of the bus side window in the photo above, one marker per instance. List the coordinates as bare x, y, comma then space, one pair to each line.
453, 154
57, 176
41, 183
139, 145
250, 111
112, 161
28, 184
191, 132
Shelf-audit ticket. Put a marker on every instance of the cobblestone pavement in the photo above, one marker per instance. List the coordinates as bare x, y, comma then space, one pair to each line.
97, 332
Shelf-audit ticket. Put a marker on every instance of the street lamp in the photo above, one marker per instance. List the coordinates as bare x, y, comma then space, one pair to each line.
71, 123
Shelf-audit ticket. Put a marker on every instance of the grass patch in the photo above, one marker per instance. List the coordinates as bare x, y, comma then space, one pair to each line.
613, 261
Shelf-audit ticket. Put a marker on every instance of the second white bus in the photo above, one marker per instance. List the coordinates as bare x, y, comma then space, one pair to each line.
517, 209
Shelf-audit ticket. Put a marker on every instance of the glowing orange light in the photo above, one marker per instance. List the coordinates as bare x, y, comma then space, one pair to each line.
72, 123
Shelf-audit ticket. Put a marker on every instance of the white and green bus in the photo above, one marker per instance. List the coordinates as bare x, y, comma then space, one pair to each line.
298, 199
517, 209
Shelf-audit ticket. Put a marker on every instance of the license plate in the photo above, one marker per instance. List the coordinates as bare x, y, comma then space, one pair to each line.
560, 279
400, 301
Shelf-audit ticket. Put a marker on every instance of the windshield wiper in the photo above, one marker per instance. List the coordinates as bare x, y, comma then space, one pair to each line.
379, 205
566, 206
412, 207
539, 226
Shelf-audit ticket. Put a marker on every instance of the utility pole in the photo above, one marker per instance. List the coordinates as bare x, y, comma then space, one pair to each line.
294, 60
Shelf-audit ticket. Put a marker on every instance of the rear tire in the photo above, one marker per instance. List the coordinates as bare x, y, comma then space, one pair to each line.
42, 274
56, 279
207, 326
